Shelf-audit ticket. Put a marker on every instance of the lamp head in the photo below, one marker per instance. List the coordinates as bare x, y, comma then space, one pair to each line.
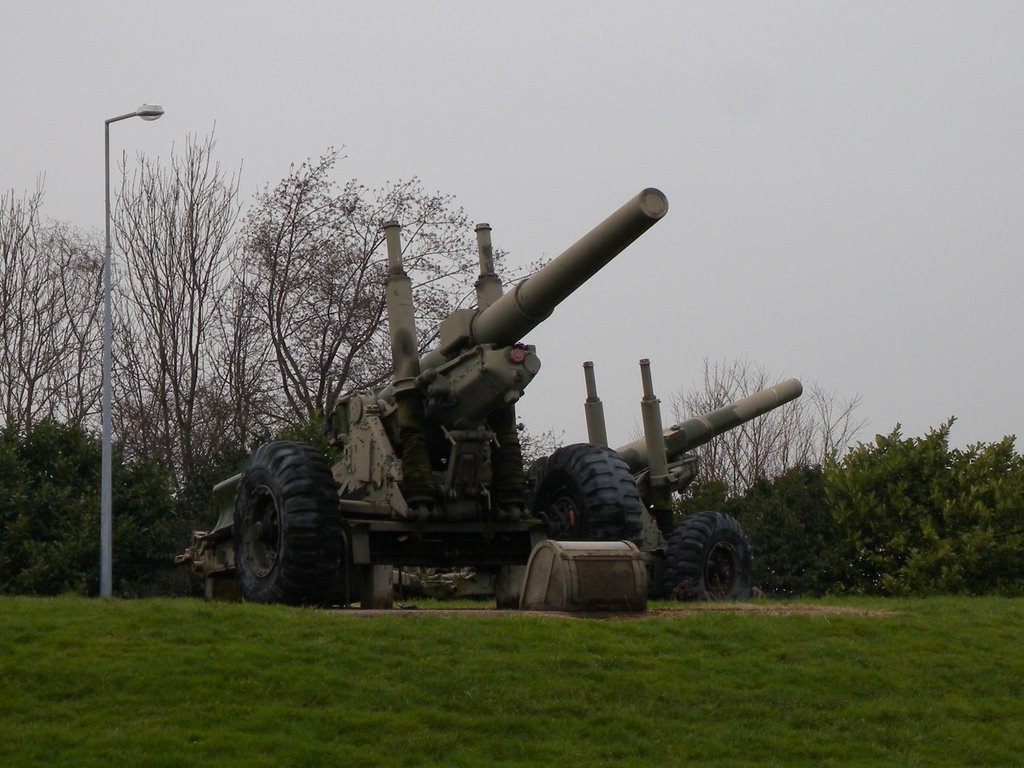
150, 111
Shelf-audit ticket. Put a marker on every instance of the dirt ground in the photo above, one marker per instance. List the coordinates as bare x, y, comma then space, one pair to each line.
771, 609
684, 610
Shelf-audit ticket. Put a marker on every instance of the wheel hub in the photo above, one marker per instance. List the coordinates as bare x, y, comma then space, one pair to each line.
721, 570
562, 514
262, 532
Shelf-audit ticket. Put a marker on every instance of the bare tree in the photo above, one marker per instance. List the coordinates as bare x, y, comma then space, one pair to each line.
243, 365
77, 270
809, 430
20, 262
49, 300
315, 275
539, 445
175, 228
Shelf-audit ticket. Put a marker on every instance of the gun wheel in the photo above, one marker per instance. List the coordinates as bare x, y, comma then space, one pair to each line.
287, 526
709, 558
587, 493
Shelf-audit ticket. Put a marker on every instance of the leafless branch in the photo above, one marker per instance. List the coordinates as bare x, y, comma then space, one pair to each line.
810, 430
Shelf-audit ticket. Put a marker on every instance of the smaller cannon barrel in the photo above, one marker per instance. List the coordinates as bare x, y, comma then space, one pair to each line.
522, 309
694, 432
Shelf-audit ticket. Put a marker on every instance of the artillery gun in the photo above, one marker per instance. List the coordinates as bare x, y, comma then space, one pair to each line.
431, 471
589, 492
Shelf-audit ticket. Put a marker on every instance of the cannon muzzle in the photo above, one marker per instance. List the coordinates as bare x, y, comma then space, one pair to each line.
519, 311
694, 432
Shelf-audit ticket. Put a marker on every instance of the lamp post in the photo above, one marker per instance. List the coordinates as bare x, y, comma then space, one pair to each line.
146, 112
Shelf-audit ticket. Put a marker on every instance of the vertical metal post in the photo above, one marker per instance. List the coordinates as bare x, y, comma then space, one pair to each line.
488, 285
654, 435
106, 514
593, 408
146, 112
401, 313
417, 479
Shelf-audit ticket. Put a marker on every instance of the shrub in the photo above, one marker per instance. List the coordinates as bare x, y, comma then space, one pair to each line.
50, 513
916, 517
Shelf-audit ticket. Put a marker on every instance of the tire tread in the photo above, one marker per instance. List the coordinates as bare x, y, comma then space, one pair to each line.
306, 494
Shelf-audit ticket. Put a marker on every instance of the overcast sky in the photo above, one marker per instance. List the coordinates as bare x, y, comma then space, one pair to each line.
845, 180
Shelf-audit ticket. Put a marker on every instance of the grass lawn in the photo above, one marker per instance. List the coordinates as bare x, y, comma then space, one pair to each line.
936, 682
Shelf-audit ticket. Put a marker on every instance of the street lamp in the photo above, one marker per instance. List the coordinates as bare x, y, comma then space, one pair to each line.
146, 112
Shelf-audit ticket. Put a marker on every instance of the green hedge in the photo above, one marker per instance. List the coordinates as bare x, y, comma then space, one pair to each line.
899, 516
50, 516
917, 517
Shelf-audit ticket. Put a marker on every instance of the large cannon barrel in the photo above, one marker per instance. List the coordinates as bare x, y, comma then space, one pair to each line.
522, 309
694, 432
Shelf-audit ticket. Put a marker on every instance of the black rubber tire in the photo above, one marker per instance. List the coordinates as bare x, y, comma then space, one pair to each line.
287, 526
709, 558
587, 493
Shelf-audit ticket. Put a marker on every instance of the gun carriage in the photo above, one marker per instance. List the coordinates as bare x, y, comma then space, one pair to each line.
431, 471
